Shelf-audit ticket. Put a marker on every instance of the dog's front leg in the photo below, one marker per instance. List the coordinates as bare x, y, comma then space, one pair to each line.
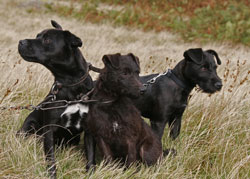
89, 145
175, 127
131, 158
175, 122
158, 127
31, 125
105, 149
49, 149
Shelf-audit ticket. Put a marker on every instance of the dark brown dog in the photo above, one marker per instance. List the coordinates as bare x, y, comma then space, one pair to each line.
114, 121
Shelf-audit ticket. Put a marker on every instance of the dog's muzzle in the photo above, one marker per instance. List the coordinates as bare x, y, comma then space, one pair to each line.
23, 42
143, 89
218, 85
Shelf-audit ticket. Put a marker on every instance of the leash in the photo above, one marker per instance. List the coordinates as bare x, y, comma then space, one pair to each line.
95, 69
152, 81
172, 76
65, 104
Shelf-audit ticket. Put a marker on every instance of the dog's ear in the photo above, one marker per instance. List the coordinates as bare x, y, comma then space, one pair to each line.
216, 56
56, 25
135, 58
111, 60
195, 55
73, 40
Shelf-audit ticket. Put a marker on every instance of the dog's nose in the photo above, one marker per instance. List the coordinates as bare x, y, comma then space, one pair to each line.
218, 85
143, 89
23, 42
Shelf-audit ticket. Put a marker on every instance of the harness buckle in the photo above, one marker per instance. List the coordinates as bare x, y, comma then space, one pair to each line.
152, 80
54, 89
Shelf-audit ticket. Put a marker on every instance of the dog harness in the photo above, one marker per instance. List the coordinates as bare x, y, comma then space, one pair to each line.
173, 77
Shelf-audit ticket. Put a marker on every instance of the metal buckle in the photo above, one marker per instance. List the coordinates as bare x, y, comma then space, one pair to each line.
155, 78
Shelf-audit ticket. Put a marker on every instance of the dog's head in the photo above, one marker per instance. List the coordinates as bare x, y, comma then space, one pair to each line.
51, 47
121, 75
200, 68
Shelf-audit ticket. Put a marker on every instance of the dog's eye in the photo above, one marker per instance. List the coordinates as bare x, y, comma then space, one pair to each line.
205, 68
125, 73
46, 41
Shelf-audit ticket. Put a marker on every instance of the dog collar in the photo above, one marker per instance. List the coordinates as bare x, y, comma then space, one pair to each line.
179, 82
83, 78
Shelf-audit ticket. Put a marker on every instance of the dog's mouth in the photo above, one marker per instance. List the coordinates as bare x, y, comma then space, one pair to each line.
29, 58
134, 94
26, 52
207, 90
131, 93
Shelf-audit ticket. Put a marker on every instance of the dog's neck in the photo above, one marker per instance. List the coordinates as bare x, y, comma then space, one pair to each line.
102, 92
74, 80
179, 72
111, 99
69, 73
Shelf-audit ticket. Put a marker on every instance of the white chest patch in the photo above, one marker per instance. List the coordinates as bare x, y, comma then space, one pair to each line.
73, 114
116, 127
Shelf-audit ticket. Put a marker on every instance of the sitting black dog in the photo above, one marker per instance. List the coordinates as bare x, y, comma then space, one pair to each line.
167, 94
114, 122
58, 51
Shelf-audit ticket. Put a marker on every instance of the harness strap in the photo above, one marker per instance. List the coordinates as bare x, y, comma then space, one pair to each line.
95, 69
173, 77
179, 82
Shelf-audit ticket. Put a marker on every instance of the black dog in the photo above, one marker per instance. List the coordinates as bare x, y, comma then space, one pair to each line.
167, 94
114, 122
58, 51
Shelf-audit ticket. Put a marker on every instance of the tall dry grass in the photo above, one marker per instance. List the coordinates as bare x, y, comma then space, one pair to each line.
215, 135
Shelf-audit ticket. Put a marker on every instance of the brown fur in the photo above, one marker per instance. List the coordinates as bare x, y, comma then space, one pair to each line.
117, 127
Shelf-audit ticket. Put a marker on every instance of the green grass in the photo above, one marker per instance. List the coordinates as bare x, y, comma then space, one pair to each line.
194, 20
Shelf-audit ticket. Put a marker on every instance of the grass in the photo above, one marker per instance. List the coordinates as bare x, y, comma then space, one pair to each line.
200, 21
214, 140
215, 137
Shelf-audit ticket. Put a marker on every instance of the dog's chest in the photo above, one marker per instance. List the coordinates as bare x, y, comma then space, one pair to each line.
120, 122
74, 115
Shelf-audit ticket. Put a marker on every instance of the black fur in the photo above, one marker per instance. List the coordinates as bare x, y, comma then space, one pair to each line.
58, 51
165, 101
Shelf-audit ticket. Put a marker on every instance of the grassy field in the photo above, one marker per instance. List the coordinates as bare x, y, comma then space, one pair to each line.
194, 20
215, 135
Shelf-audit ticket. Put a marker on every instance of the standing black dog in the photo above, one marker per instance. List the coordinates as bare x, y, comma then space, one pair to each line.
58, 51
114, 121
167, 94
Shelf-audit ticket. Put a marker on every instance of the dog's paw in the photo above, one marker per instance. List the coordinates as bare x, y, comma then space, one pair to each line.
90, 168
21, 133
171, 152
